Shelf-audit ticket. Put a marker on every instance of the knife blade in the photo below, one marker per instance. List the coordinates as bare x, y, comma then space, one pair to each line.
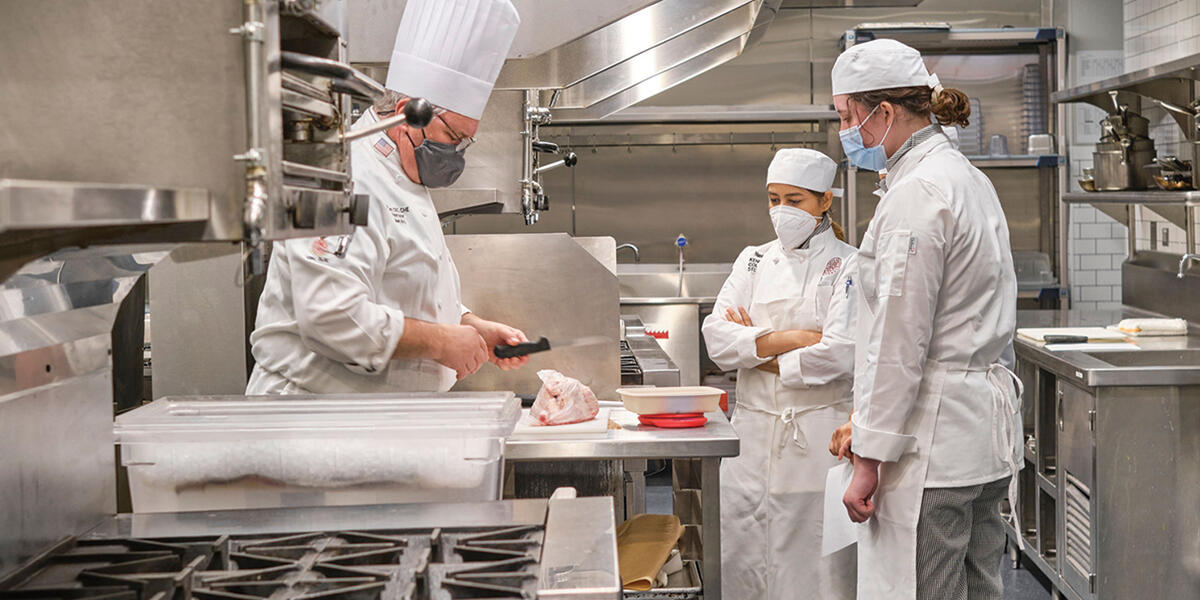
543, 344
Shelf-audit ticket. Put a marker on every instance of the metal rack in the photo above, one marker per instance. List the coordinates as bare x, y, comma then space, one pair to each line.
1049, 44
1174, 82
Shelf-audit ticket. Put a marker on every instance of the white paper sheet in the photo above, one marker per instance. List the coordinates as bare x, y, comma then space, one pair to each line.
1091, 347
839, 531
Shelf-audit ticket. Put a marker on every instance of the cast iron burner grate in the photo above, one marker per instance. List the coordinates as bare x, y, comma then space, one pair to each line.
352, 565
631, 371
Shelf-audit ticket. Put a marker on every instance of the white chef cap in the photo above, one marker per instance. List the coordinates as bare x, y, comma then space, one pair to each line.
449, 52
880, 65
803, 168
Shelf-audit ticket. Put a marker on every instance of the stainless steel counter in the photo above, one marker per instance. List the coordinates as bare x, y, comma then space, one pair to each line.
697, 491
633, 440
1112, 463
1167, 360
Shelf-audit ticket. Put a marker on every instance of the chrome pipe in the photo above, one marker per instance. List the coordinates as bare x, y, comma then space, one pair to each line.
1183, 262
637, 254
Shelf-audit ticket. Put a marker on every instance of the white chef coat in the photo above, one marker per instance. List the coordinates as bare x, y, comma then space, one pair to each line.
933, 396
936, 270
328, 324
772, 493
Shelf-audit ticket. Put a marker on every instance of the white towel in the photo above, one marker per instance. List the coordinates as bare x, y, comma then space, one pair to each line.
1153, 326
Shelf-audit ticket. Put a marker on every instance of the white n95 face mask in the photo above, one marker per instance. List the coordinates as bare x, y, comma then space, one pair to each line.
794, 226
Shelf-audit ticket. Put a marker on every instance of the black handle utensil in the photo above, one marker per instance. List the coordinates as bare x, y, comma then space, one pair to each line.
522, 349
1065, 339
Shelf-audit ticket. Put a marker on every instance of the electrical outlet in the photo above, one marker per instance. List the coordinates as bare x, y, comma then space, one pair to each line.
1166, 237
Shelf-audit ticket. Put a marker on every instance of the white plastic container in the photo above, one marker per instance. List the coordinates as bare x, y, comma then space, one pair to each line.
671, 400
232, 452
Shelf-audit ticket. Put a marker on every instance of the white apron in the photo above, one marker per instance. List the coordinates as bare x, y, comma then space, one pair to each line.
772, 494
887, 544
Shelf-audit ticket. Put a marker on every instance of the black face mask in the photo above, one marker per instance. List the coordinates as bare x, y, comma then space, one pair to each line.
438, 164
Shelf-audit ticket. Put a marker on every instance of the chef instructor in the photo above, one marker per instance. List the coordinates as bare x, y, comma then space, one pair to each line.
387, 316
936, 424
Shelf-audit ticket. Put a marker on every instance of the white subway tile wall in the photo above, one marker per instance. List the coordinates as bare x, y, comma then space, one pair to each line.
1155, 32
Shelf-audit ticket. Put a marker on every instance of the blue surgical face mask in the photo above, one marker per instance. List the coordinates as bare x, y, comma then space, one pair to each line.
871, 159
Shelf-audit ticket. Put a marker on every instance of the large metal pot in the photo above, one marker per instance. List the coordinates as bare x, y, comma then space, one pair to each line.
1120, 164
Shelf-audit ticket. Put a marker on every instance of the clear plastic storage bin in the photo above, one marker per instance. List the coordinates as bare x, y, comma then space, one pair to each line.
1033, 269
231, 452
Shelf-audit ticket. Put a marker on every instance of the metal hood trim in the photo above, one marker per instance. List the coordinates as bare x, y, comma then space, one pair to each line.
622, 40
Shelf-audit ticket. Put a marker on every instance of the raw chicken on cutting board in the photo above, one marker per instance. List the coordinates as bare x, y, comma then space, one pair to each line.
563, 400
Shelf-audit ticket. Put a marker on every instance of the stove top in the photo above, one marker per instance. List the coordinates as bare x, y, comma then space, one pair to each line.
436, 564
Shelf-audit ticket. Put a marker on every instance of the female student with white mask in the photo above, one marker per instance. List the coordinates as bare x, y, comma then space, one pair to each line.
936, 425
785, 320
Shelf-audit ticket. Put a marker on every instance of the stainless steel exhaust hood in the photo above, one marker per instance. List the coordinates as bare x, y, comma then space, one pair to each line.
640, 55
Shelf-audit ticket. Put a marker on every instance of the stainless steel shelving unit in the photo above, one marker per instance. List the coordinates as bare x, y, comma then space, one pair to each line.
1049, 44
1175, 82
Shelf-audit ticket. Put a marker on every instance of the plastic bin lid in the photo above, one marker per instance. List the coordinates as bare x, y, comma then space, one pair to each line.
428, 416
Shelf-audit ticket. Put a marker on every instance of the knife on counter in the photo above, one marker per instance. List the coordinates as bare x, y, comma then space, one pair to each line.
1064, 339
543, 344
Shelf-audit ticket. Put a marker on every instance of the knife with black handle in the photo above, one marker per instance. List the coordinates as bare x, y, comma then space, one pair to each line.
521, 349
1065, 339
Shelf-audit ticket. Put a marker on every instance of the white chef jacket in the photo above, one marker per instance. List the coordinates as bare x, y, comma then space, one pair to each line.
328, 324
732, 346
772, 494
936, 267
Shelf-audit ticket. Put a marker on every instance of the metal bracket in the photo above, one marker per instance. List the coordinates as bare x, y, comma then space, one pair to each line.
254, 156
250, 30
1092, 420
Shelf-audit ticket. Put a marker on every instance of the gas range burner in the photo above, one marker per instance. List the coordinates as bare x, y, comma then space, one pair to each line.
403, 565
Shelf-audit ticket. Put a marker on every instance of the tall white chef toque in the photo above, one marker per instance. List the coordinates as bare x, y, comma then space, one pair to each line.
803, 168
449, 52
881, 65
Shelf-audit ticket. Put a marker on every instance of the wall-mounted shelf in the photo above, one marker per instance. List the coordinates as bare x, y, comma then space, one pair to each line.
940, 36
1016, 161
1171, 81
1148, 197
706, 113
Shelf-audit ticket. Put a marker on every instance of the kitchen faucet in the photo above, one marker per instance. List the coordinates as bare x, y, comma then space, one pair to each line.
681, 242
1183, 262
637, 254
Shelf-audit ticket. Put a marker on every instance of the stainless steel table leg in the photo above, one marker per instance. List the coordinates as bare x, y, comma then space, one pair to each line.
635, 486
710, 527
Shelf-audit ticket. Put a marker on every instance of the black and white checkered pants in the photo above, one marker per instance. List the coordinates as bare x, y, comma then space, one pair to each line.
960, 543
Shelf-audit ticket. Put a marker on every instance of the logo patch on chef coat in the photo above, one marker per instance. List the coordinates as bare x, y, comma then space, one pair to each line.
383, 146
831, 270
320, 247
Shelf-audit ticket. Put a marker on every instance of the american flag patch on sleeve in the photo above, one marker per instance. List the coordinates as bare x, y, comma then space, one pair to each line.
383, 146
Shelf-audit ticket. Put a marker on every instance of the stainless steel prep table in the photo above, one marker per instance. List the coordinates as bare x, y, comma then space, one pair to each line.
1112, 461
633, 444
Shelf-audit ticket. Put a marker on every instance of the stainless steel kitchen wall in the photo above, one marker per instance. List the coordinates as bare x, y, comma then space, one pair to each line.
647, 195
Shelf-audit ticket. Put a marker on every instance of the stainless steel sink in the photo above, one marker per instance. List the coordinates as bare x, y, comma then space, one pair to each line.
1189, 357
661, 280
1173, 366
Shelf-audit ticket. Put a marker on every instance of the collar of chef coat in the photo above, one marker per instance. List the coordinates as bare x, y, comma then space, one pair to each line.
384, 150
912, 158
819, 243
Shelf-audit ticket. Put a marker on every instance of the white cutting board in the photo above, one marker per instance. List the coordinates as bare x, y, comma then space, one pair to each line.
1094, 334
527, 426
